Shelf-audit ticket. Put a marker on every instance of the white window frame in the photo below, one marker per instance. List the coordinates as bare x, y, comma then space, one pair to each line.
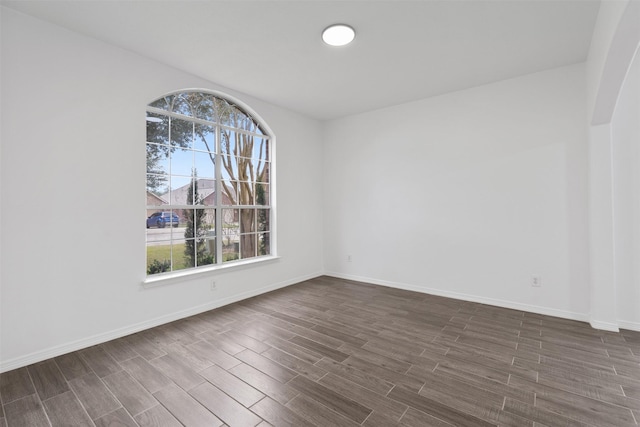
219, 264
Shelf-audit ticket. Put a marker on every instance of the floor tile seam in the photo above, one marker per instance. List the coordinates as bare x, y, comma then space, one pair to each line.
229, 396
577, 369
30, 394
360, 385
577, 362
126, 410
383, 355
33, 384
572, 349
39, 401
303, 349
601, 393
572, 417
37, 394
551, 412
110, 392
480, 387
113, 356
326, 408
599, 369
78, 400
563, 392
300, 392
484, 340
444, 402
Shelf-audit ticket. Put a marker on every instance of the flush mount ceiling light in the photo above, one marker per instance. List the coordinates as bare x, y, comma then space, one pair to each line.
338, 35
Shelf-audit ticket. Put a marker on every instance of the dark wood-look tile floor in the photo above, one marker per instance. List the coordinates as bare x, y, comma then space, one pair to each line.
330, 352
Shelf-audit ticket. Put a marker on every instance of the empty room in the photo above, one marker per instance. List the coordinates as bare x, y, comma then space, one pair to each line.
356, 213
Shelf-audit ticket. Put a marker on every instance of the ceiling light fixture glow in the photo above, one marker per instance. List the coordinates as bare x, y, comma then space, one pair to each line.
338, 35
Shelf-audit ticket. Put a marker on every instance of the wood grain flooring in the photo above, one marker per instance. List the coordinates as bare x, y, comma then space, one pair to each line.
331, 352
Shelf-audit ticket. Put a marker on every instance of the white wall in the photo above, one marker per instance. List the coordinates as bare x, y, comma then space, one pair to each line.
613, 119
609, 15
72, 173
467, 194
626, 198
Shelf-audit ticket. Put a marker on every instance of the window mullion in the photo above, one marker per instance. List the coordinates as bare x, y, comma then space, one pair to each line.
218, 194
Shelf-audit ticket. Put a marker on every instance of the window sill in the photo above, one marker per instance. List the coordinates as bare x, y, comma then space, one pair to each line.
179, 276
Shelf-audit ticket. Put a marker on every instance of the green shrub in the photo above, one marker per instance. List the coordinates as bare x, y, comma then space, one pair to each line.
157, 266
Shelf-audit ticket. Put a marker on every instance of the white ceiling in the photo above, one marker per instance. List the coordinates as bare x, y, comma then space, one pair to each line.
404, 50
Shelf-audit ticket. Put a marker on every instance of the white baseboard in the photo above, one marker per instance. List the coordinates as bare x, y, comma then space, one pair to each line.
632, 326
468, 297
605, 326
59, 350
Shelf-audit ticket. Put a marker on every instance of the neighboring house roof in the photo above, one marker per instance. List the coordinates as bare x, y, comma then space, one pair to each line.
154, 199
206, 189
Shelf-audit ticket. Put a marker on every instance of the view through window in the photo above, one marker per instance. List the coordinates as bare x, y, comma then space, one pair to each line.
208, 183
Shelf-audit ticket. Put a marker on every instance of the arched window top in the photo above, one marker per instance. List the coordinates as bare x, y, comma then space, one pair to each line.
208, 107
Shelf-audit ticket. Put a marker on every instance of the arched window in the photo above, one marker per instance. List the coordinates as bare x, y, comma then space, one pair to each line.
208, 183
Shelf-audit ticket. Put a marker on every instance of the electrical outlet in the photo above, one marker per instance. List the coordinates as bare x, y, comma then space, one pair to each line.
348, 258
536, 281
213, 285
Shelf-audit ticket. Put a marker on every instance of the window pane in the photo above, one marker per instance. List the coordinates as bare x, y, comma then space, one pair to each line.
206, 192
205, 138
157, 189
230, 220
230, 234
229, 193
227, 141
160, 223
231, 252
183, 103
158, 258
179, 190
199, 233
223, 110
162, 103
181, 162
260, 149
260, 170
262, 194
198, 223
245, 193
242, 173
181, 133
205, 223
205, 107
157, 128
263, 244
229, 169
204, 164
247, 246
179, 256
194, 104
262, 219
247, 221
157, 159
208, 254
244, 144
